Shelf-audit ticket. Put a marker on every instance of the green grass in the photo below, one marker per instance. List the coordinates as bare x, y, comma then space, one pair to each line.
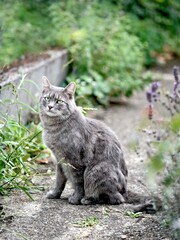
88, 222
20, 146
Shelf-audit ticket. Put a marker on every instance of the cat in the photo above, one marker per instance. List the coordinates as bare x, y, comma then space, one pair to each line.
87, 152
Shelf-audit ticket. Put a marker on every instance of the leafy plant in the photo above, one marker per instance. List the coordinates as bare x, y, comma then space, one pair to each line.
23, 29
106, 60
156, 23
109, 42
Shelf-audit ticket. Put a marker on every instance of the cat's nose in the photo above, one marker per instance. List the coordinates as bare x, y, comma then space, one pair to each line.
50, 107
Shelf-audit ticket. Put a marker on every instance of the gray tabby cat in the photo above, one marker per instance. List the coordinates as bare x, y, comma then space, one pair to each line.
88, 153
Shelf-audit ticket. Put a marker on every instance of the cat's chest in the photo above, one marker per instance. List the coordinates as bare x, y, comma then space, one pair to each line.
63, 141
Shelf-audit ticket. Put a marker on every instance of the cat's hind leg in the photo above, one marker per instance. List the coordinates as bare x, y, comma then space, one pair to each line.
112, 198
104, 185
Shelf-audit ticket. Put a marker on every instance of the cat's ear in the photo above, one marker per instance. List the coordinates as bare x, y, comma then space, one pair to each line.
70, 89
46, 83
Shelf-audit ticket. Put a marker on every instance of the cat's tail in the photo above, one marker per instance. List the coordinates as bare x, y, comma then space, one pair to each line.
142, 203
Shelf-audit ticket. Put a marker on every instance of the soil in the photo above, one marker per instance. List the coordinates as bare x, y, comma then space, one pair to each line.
44, 219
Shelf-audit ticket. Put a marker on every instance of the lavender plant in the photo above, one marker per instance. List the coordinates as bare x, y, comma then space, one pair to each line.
163, 144
170, 101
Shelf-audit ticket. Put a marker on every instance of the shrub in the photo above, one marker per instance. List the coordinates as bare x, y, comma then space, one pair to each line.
23, 29
157, 24
109, 41
107, 60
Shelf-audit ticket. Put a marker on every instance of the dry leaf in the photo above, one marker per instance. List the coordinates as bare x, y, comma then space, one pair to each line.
43, 161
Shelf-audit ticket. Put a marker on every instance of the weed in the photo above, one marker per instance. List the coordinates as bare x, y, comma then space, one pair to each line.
20, 146
134, 215
88, 222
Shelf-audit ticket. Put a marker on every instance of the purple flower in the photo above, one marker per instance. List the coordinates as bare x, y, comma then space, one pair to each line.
149, 96
155, 86
176, 82
176, 73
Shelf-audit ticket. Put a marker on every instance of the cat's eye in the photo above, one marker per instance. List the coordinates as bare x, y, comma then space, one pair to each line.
59, 101
46, 99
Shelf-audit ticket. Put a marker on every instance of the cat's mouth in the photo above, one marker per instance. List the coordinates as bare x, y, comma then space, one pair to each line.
50, 113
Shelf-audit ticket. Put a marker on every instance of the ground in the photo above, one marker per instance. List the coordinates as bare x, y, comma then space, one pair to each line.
44, 219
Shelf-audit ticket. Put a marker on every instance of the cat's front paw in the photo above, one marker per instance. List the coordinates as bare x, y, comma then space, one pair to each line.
53, 194
88, 201
74, 200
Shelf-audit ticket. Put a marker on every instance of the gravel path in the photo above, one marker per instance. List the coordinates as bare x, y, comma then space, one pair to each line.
44, 219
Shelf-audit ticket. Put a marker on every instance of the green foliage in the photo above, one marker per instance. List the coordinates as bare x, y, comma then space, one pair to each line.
134, 215
165, 161
91, 89
175, 123
23, 29
107, 60
151, 36
88, 222
164, 171
20, 146
157, 24
162, 12
109, 42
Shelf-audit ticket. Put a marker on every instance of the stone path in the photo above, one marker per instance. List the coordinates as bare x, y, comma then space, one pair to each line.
44, 219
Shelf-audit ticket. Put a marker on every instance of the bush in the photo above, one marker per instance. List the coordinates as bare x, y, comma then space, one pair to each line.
109, 41
107, 60
157, 24
23, 29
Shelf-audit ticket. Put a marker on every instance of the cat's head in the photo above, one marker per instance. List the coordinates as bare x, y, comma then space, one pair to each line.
57, 101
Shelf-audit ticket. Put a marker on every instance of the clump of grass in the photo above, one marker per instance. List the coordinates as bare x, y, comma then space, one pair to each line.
134, 215
20, 146
88, 222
